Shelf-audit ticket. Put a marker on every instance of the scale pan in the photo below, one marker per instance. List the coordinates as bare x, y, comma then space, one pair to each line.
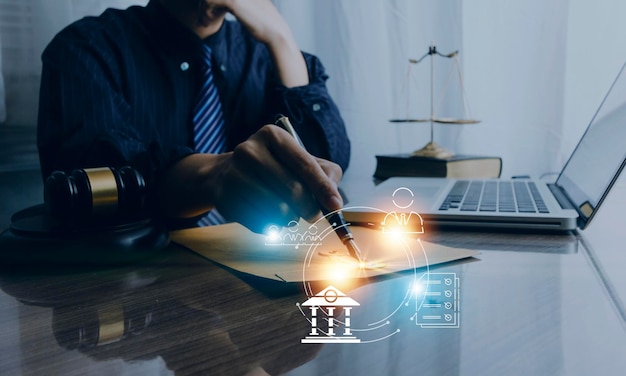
409, 120
455, 121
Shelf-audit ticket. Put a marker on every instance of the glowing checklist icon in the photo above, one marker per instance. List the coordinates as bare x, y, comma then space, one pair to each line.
439, 307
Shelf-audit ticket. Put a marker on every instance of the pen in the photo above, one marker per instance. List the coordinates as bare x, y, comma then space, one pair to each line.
336, 219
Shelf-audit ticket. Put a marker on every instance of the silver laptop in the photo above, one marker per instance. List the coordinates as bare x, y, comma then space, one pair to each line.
567, 204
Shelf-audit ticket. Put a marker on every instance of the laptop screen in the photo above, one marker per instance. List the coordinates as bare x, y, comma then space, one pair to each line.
600, 155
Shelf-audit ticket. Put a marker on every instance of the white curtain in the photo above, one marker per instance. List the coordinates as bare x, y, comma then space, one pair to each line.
27, 26
515, 68
512, 58
596, 49
365, 46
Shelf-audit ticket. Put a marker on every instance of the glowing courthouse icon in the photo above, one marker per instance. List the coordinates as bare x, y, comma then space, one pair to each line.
331, 299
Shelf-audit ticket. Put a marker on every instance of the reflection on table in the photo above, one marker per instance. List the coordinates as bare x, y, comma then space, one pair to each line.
197, 317
529, 304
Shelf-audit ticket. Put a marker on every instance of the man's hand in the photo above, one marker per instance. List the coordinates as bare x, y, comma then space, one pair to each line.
260, 17
265, 23
268, 179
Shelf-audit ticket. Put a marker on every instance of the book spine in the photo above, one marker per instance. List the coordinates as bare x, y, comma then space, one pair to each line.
463, 167
386, 168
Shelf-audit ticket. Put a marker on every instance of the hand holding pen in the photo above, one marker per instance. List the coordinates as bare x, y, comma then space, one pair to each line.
267, 179
335, 217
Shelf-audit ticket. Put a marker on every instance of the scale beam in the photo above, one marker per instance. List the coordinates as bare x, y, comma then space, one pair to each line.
432, 149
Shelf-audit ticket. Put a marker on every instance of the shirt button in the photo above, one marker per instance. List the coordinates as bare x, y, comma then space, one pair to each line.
223, 68
316, 107
184, 66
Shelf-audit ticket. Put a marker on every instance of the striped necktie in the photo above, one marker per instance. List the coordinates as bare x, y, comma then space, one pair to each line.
208, 124
208, 119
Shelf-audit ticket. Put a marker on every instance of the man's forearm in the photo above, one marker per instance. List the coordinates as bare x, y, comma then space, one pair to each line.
268, 178
185, 189
289, 61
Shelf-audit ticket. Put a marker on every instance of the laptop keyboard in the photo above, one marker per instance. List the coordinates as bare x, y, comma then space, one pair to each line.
495, 196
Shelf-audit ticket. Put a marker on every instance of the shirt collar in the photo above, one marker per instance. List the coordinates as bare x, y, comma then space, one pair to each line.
182, 43
217, 42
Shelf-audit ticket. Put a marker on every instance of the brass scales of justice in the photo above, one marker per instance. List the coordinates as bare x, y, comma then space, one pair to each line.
432, 149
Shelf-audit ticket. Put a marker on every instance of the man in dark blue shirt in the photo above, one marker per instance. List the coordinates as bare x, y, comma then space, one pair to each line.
120, 89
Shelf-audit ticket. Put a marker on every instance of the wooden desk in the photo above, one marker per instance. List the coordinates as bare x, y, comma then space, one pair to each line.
531, 305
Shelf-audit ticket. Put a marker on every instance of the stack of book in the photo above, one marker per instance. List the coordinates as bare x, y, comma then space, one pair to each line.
457, 166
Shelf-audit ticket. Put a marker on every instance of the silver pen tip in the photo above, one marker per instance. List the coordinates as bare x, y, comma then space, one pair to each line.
354, 250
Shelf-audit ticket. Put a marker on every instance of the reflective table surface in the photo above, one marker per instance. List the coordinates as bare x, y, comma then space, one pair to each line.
529, 304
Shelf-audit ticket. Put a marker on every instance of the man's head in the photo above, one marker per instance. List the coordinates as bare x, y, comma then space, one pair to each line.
203, 17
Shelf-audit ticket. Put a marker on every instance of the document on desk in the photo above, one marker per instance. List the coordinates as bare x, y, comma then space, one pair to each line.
295, 255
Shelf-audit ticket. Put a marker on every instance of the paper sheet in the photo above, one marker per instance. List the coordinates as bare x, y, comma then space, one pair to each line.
305, 253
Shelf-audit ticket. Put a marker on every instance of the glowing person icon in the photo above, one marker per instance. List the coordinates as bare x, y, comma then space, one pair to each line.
403, 220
